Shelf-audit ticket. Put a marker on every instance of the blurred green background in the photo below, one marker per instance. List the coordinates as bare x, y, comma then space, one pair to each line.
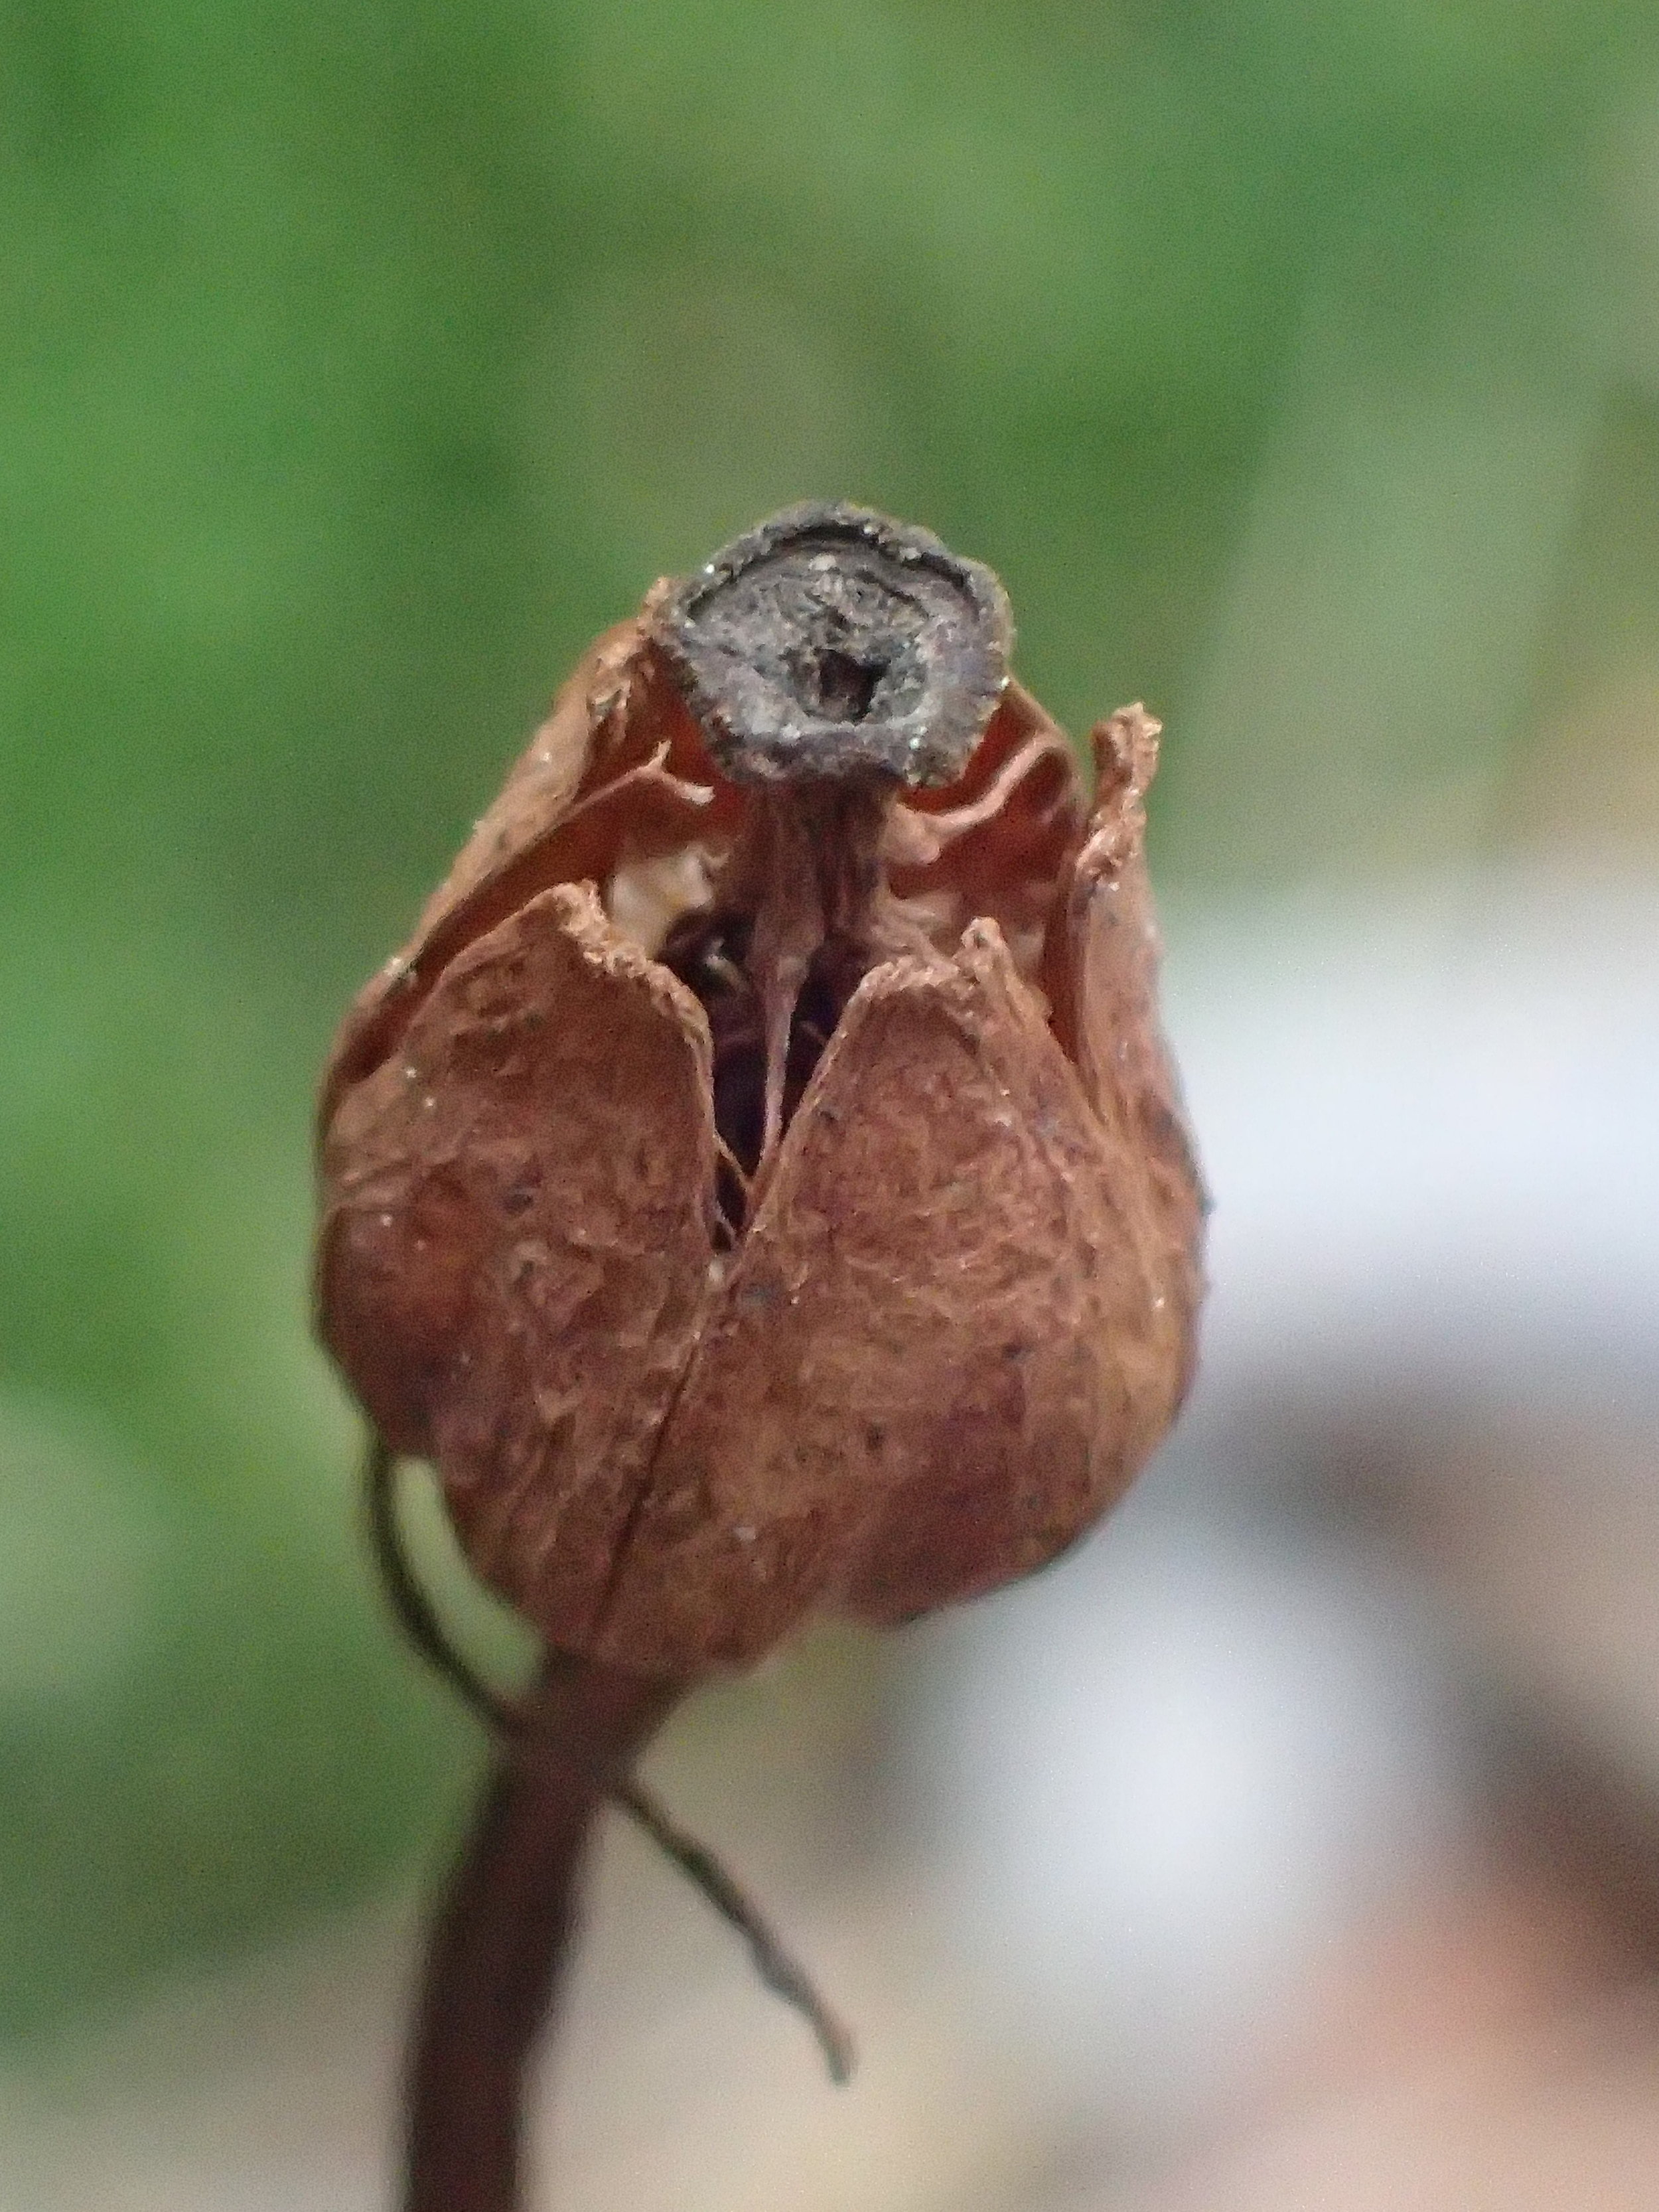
1296, 361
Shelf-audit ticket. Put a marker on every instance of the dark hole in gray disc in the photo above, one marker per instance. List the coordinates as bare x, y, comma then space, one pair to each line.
831, 642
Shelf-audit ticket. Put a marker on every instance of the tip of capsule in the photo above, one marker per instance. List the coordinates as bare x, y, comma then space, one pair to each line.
831, 642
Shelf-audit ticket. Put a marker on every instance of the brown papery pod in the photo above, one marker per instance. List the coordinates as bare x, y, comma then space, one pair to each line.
760, 1185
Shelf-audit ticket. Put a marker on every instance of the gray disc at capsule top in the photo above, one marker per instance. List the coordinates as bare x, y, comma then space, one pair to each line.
830, 642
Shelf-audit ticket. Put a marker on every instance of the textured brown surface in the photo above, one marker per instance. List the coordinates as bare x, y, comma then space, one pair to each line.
581, 794
1101, 966
899, 1348
938, 1357
516, 1253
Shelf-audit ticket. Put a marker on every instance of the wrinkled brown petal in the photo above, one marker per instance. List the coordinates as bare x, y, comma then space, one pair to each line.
516, 1244
1009, 864
581, 795
1100, 973
949, 1338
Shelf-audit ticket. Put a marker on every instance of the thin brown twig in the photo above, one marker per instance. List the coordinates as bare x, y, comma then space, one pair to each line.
784, 1976
505, 1719
411, 1608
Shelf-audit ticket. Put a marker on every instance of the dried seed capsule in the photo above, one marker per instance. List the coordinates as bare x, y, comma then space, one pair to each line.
761, 1185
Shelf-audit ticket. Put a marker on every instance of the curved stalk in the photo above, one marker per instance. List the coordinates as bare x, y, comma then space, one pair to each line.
499, 1946
413, 1613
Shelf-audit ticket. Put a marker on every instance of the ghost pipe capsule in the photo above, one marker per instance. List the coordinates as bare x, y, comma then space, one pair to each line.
760, 1185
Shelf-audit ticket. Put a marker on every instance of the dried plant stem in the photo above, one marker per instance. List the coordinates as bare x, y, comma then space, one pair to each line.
784, 1976
502, 1936
781, 1974
411, 1608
